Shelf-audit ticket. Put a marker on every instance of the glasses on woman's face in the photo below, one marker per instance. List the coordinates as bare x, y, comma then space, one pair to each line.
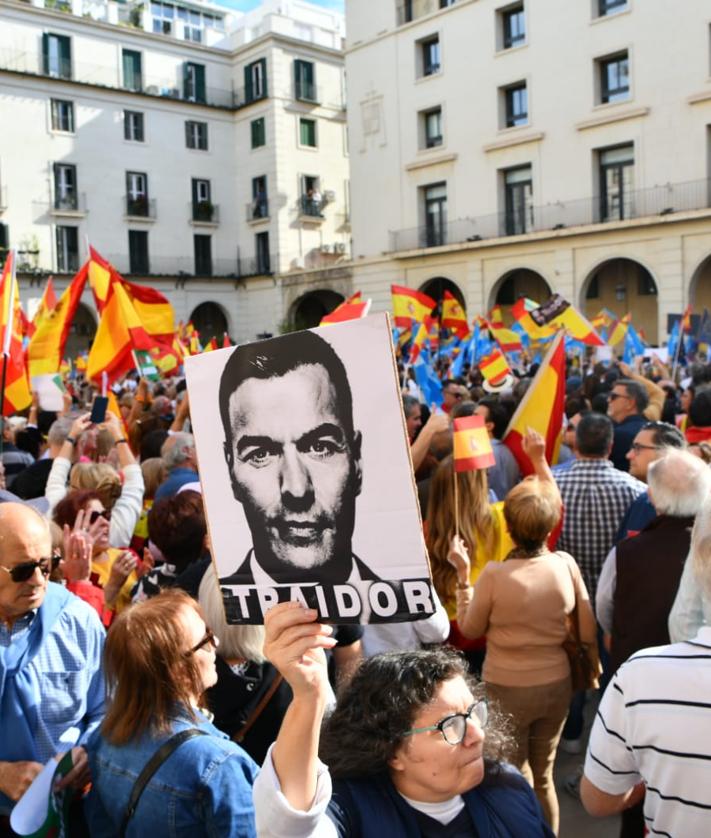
208, 638
25, 571
95, 515
453, 728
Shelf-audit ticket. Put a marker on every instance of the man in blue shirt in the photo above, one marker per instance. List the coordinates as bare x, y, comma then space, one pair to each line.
625, 406
51, 681
178, 453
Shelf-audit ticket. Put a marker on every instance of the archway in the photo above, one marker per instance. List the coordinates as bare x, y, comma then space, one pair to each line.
82, 331
700, 287
436, 287
210, 320
622, 286
310, 308
521, 282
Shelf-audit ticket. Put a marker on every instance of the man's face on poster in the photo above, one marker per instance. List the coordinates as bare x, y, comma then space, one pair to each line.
296, 472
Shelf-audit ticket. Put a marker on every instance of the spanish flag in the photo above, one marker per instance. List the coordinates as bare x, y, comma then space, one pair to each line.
494, 367
353, 308
410, 305
47, 303
508, 340
46, 348
541, 408
521, 311
560, 313
686, 319
17, 394
454, 317
619, 330
472, 446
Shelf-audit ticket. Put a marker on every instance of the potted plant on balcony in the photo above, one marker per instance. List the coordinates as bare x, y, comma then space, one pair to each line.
204, 211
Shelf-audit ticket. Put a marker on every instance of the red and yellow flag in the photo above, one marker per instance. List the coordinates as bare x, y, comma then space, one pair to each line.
472, 446
454, 317
508, 340
561, 314
17, 394
494, 367
47, 303
686, 319
353, 308
619, 330
542, 408
410, 306
46, 348
521, 311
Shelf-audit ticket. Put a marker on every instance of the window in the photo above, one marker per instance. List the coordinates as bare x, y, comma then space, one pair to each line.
261, 243
593, 292
133, 126
62, 115
192, 25
65, 186
138, 252
516, 104
307, 132
305, 87
132, 76
163, 18
429, 49
203, 208
432, 127
203, 255
513, 22
435, 211
260, 201
255, 80
4, 243
57, 55
614, 78
259, 133
616, 182
67, 249
518, 200
196, 135
137, 194
608, 7
194, 82
311, 198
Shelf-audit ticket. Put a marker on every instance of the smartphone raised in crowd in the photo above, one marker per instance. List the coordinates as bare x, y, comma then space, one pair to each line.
98, 410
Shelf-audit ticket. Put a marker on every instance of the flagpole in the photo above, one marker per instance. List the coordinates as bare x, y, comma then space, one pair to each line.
456, 501
7, 338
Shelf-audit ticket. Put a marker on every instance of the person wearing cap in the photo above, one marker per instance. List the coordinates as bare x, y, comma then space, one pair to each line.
51, 643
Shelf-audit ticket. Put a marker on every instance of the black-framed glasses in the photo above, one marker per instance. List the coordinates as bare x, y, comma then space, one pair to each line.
95, 514
454, 727
614, 396
637, 447
208, 638
24, 571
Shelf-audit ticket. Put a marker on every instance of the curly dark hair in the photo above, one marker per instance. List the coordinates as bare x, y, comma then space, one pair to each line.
380, 704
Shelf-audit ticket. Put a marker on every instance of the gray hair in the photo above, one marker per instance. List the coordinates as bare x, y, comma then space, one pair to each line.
679, 483
700, 555
177, 449
235, 641
59, 430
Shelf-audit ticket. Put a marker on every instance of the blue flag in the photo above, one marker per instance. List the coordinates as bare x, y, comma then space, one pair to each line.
634, 345
428, 382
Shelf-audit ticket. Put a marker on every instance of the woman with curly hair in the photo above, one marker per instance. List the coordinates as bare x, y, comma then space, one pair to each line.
405, 748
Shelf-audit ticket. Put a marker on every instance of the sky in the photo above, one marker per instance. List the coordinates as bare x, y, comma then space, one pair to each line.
246, 5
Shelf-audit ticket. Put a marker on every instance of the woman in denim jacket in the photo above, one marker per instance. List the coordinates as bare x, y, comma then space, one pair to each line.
159, 659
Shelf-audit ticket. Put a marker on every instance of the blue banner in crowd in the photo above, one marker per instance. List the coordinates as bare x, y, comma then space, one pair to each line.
427, 381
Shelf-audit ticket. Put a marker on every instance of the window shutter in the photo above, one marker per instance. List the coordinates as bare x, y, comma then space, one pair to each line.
263, 62
199, 82
186, 79
187, 135
195, 191
248, 83
45, 52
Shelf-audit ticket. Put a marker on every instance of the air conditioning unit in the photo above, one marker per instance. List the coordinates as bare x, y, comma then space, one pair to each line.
325, 248
339, 247
329, 196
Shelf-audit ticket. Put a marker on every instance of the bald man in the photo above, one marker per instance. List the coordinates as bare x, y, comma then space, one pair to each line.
51, 683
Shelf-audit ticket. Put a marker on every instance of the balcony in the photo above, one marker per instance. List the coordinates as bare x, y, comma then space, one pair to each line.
205, 212
139, 208
70, 203
184, 267
656, 201
305, 91
409, 10
258, 210
311, 208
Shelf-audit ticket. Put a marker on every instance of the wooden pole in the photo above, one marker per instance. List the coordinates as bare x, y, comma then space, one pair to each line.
456, 504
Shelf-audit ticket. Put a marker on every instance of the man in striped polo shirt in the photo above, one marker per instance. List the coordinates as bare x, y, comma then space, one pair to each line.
652, 734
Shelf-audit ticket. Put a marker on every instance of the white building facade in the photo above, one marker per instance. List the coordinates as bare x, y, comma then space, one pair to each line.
502, 147
200, 151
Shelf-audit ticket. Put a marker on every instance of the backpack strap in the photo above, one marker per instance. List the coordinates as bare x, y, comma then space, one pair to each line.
150, 768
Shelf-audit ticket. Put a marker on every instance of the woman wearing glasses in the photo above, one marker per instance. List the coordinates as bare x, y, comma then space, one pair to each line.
159, 660
404, 751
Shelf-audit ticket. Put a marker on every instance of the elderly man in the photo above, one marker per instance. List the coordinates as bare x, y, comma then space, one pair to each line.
178, 453
32, 481
626, 405
51, 682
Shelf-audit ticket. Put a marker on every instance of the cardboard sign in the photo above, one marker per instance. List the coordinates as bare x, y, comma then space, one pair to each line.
306, 476
50, 391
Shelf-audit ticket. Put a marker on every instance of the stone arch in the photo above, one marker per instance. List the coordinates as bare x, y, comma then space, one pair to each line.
211, 321
700, 286
623, 285
516, 283
82, 331
436, 287
307, 311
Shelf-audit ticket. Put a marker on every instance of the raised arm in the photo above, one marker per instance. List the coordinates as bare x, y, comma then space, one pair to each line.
435, 424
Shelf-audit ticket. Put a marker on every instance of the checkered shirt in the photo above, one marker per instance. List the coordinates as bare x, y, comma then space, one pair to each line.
596, 497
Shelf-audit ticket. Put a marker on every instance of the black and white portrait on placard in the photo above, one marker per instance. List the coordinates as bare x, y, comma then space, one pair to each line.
303, 458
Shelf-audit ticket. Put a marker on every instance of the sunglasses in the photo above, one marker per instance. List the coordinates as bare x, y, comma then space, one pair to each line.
208, 638
25, 571
95, 515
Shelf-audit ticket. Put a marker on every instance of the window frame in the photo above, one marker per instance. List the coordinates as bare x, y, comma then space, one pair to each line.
194, 82
136, 86
55, 115
618, 167
66, 193
305, 121
64, 65
136, 258
434, 214
430, 141
305, 89
262, 256
253, 129
202, 255
608, 95
510, 40
427, 67
196, 133
127, 115
517, 211
512, 118
67, 259
255, 80
605, 8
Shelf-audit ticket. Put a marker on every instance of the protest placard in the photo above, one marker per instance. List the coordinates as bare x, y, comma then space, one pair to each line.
306, 476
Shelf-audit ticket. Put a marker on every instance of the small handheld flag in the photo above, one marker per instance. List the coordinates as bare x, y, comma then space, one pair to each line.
472, 446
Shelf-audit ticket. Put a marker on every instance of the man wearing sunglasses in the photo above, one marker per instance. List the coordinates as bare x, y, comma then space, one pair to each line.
51, 682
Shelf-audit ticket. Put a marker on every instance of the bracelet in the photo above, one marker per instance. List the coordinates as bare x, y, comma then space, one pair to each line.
70, 440
119, 441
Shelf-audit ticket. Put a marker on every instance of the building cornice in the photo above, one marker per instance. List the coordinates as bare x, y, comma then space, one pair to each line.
437, 160
612, 117
514, 140
700, 98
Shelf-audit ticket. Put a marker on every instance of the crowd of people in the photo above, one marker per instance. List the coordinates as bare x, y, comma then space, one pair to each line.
114, 643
